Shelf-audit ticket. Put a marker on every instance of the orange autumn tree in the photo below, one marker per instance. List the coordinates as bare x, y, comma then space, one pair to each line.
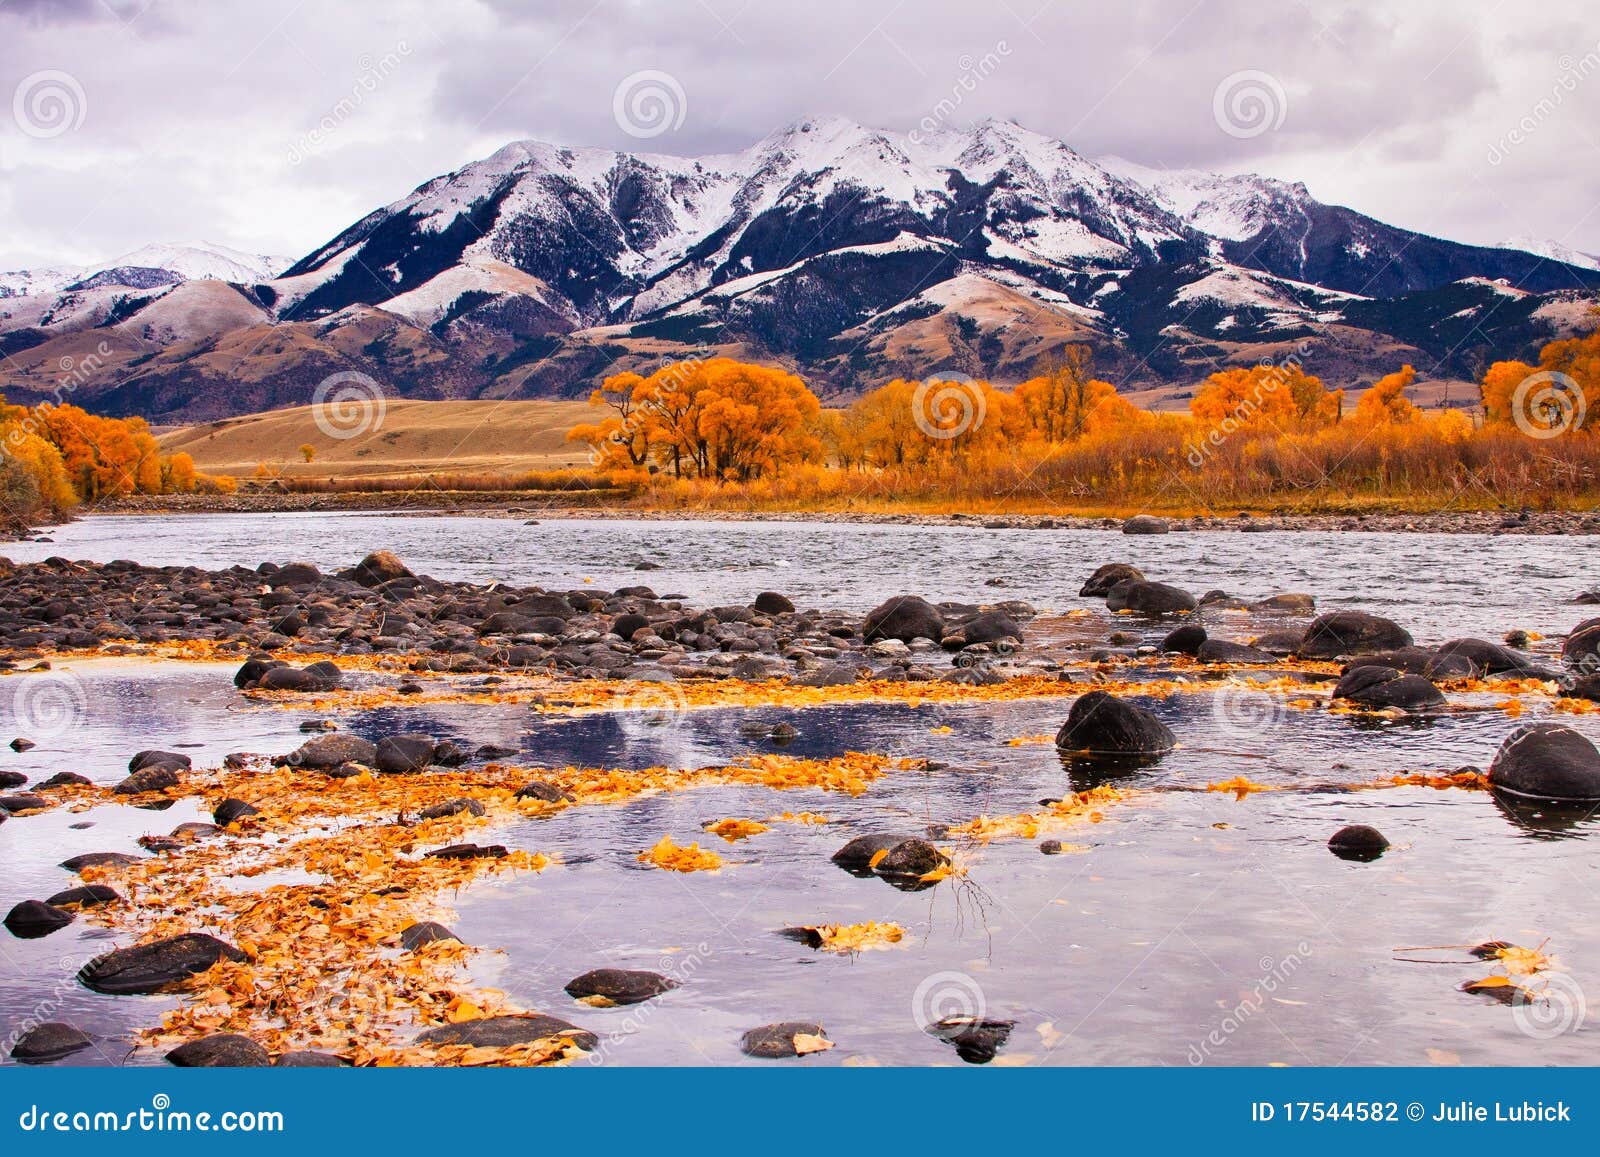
715, 418
1063, 395
1264, 399
1386, 404
1560, 393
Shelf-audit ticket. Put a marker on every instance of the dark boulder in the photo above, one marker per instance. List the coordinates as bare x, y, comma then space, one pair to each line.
377, 568
543, 790
1547, 761
772, 603
232, 810
151, 967
85, 896
323, 676
451, 807
307, 1059
1223, 651
1145, 524
1358, 842
98, 860
1100, 726
147, 779
1351, 633
1279, 642
1490, 658
470, 852
625, 625
1100, 583
1288, 603
49, 1042
67, 779
776, 1041
1186, 640
415, 936
222, 1051
1418, 661
856, 856
328, 751
32, 919
10, 779
295, 574
976, 1039
984, 627
1148, 598
619, 985
905, 617
908, 861
407, 752
1582, 646
1384, 687
504, 1031
24, 802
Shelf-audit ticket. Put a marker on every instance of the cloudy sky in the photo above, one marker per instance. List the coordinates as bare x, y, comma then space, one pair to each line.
271, 125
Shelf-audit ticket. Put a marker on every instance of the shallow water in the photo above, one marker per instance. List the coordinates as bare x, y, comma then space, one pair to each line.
1439, 585
1193, 928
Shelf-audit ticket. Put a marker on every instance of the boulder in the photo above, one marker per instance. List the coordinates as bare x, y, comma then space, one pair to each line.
1418, 661
856, 856
329, 751
24, 802
776, 1041
908, 861
307, 1059
976, 1039
1108, 576
231, 810
1148, 598
32, 919
1384, 687
984, 627
1100, 726
148, 779
619, 985
451, 807
377, 568
905, 617
624, 626
1358, 842
222, 1051
67, 779
1582, 646
1547, 761
10, 779
1351, 633
1489, 658
49, 1042
85, 896
98, 860
415, 936
543, 790
772, 603
1145, 524
1288, 603
503, 1031
404, 753
295, 574
1186, 640
152, 967
1223, 651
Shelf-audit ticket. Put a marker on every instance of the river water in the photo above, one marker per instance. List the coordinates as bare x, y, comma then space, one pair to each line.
1194, 928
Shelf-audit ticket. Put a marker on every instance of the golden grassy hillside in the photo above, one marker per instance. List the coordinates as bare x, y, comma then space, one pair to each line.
409, 437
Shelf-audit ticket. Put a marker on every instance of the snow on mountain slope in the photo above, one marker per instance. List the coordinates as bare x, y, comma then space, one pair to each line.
147, 267
1554, 250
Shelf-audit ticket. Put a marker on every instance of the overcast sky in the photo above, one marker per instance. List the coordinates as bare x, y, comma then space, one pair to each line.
271, 126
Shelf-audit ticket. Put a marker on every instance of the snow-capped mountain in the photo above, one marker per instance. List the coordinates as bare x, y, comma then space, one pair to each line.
146, 267
1554, 250
850, 253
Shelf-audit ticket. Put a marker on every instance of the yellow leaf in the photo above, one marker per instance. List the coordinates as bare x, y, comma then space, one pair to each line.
673, 858
732, 829
805, 1042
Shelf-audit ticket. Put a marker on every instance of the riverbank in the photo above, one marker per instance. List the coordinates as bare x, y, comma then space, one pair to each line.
525, 505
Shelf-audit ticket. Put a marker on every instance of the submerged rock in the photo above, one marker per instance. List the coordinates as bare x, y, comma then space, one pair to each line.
1186, 640
86, 896
1149, 598
976, 1039
307, 1059
1384, 687
776, 1041
1351, 633
905, 617
856, 856
1100, 726
32, 919
405, 753
1223, 651
148, 779
503, 1031
1547, 761
49, 1042
1145, 524
222, 1051
1419, 661
1358, 842
232, 810
330, 751
151, 967
619, 985
98, 860
1099, 584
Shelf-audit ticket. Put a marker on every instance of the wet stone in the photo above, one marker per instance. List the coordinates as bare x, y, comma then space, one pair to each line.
151, 967
976, 1039
49, 1042
223, 1051
415, 936
32, 919
1358, 842
504, 1031
619, 985
98, 860
776, 1041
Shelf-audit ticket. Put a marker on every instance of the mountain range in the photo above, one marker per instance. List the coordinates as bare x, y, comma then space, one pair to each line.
851, 254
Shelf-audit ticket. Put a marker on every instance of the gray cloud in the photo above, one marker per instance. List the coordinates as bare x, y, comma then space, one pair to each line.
271, 126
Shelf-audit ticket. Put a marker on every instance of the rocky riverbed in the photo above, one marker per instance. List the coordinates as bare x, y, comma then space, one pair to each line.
445, 743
